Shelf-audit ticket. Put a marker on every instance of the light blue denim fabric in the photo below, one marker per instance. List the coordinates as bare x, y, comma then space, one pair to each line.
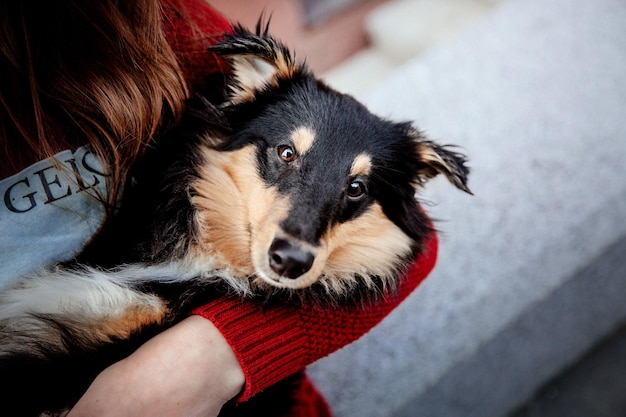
48, 212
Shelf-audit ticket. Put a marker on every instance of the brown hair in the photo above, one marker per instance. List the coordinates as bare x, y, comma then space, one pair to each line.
78, 72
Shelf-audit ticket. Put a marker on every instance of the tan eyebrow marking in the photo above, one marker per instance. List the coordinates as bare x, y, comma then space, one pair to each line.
302, 139
362, 165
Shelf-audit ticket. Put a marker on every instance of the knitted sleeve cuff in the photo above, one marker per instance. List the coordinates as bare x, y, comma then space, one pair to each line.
269, 342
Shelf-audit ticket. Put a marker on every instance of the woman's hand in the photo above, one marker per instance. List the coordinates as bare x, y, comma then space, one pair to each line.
188, 370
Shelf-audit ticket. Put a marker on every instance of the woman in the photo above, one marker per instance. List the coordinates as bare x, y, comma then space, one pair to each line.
111, 74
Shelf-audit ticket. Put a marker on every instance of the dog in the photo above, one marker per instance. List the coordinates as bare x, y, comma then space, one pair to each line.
285, 189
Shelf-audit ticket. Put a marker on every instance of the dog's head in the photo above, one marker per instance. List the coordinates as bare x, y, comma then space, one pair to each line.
311, 187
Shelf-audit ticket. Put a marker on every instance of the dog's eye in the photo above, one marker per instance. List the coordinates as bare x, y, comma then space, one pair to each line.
356, 190
286, 153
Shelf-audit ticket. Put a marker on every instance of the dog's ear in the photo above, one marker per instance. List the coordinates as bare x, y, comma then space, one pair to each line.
257, 61
435, 159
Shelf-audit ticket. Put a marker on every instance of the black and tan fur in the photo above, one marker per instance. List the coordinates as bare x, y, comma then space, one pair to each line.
286, 190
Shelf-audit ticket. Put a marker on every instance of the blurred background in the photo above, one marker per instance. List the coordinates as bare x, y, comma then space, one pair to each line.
354, 44
524, 313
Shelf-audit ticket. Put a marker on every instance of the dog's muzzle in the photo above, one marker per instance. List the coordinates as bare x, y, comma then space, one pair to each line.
289, 259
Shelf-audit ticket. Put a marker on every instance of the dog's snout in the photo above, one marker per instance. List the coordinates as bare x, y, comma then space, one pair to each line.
288, 259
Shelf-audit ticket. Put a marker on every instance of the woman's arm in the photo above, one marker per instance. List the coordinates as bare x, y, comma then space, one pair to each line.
195, 367
188, 370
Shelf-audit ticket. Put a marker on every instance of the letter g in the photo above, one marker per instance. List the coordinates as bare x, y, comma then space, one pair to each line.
9, 199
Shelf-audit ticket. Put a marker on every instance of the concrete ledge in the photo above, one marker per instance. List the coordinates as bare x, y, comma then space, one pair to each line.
505, 371
529, 275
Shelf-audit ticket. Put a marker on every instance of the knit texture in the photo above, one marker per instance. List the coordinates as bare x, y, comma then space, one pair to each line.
191, 26
308, 402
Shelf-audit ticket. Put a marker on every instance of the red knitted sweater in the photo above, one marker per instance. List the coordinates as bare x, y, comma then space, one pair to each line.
273, 343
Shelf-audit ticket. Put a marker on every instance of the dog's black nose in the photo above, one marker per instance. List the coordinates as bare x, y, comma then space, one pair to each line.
289, 260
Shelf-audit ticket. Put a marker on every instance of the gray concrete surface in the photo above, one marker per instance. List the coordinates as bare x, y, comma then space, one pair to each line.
527, 278
593, 387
